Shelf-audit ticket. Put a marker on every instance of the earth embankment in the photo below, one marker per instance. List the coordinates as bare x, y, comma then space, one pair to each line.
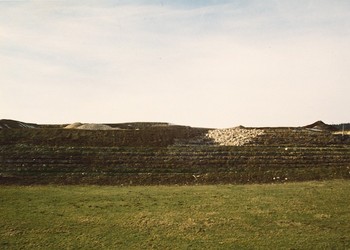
154, 155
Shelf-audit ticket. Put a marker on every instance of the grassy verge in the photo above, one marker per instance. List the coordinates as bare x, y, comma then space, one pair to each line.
309, 215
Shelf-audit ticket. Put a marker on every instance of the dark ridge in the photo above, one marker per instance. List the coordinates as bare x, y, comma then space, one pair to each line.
8, 124
341, 126
320, 125
137, 125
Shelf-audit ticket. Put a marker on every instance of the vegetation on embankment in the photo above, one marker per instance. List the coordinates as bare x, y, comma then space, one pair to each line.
158, 136
157, 154
308, 215
23, 164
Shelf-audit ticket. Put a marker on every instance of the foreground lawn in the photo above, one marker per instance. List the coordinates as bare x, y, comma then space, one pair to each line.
311, 215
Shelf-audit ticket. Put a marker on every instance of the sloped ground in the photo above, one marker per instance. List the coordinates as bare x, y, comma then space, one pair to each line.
171, 165
154, 154
11, 124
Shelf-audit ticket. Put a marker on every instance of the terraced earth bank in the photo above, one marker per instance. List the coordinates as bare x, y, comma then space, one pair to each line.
156, 153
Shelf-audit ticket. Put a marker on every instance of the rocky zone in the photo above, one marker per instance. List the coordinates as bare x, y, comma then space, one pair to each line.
234, 136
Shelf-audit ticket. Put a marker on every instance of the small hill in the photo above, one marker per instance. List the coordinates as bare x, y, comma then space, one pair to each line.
93, 126
321, 126
89, 126
7, 124
74, 125
138, 125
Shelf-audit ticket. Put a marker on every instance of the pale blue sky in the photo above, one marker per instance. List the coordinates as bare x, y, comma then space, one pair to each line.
199, 63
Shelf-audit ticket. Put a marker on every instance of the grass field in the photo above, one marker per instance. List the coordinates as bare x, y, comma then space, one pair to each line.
308, 215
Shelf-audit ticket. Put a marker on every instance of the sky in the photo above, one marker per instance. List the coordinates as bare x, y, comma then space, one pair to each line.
199, 63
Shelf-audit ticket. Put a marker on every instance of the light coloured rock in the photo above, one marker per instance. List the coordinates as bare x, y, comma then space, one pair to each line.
92, 126
73, 125
89, 126
233, 136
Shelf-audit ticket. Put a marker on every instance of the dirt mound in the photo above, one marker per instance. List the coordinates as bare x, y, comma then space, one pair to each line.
74, 125
93, 126
89, 126
6, 124
234, 136
321, 126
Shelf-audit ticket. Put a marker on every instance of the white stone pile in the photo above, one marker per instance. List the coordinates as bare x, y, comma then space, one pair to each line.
233, 136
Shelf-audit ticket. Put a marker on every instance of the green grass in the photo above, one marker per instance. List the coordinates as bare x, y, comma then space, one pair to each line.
309, 215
